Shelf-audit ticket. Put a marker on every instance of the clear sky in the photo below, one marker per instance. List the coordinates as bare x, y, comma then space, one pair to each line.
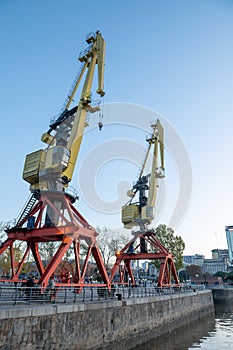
172, 57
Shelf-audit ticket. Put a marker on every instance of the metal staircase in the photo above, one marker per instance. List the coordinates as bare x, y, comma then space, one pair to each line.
26, 210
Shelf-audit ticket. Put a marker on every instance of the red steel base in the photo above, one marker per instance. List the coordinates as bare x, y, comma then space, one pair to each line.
144, 246
53, 218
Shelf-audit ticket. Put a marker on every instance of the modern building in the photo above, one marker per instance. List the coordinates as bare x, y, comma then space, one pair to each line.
188, 259
219, 253
152, 270
145, 265
212, 266
219, 261
196, 259
229, 235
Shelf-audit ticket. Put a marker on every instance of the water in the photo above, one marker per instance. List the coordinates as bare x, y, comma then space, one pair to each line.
206, 334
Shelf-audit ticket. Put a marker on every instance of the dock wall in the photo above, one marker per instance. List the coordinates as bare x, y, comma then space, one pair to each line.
115, 325
222, 295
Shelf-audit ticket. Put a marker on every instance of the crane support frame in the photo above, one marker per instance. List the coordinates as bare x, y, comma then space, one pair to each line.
155, 250
69, 233
71, 230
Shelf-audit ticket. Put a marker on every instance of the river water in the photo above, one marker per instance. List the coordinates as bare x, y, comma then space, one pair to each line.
212, 333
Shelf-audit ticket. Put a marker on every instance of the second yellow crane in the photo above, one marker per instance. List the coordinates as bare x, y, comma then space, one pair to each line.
141, 212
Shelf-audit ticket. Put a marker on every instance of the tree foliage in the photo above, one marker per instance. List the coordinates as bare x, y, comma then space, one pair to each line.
5, 259
229, 276
19, 248
182, 275
47, 250
220, 274
173, 243
109, 242
194, 270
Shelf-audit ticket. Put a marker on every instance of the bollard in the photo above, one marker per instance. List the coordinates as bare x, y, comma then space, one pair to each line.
119, 296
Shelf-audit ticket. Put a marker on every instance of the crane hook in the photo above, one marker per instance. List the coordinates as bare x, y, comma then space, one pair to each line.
100, 125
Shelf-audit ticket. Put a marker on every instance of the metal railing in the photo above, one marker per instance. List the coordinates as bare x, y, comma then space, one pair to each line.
27, 295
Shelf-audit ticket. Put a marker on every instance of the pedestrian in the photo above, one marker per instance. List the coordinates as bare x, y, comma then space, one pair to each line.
52, 289
29, 285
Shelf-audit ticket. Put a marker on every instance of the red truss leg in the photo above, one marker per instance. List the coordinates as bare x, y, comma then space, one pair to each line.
53, 218
144, 246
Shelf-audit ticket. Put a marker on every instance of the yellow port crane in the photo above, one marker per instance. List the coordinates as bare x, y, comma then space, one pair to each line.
49, 215
141, 212
52, 168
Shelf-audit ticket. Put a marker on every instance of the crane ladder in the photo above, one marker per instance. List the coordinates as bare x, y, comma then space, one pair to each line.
26, 210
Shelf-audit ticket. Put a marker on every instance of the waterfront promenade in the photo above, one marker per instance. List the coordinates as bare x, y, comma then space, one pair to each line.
97, 320
13, 295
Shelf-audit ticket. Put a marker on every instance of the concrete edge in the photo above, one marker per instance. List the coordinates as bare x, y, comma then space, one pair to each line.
22, 311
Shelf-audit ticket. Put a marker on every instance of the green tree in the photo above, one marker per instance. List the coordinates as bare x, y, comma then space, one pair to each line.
47, 250
194, 270
220, 274
182, 275
5, 258
229, 276
109, 242
173, 243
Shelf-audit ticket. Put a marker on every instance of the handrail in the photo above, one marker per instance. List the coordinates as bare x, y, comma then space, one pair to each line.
19, 294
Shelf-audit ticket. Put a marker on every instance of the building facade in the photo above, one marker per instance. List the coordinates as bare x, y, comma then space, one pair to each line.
213, 266
196, 259
229, 236
219, 261
220, 253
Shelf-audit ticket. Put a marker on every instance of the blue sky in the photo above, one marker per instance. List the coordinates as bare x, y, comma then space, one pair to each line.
173, 57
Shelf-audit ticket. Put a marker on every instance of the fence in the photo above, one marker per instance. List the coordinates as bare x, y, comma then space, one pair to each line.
19, 294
